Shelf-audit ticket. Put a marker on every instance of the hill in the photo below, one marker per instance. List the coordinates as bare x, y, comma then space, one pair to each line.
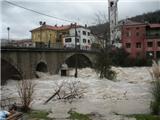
151, 17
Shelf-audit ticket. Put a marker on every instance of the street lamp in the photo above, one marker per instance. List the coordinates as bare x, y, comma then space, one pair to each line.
41, 23
76, 72
8, 29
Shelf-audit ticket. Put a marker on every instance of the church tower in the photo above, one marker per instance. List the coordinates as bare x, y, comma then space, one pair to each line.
113, 19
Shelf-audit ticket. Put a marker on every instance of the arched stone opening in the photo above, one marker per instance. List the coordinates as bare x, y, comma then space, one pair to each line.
41, 67
82, 61
8, 71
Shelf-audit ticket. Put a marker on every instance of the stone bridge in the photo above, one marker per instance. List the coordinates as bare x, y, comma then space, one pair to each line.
22, 63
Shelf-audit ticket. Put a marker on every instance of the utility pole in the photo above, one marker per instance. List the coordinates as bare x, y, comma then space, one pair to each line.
49, 42
76, 72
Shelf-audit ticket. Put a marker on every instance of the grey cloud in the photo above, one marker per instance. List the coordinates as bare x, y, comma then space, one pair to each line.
83, 11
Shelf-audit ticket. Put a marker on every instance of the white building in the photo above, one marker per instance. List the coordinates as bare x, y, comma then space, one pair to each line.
113, 19
84, 38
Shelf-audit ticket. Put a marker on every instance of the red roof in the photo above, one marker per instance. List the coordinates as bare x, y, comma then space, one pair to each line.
130, 23
49, 27
154, 25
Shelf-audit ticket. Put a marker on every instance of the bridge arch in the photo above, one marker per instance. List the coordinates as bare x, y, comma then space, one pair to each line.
9, 71
82, 60
42, 67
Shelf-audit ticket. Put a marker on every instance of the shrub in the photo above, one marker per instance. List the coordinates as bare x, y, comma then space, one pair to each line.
155, 104
103, 65
121, 58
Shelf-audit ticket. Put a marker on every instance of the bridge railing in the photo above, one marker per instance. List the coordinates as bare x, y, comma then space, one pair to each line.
47, 46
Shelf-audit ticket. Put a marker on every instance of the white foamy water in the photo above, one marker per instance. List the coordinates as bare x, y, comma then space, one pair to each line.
130, 94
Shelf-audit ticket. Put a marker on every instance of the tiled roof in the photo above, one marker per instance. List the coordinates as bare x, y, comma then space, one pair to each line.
154, 25
49, 27
130, 22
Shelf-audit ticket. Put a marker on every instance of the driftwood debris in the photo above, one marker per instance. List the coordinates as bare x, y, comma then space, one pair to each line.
67, 91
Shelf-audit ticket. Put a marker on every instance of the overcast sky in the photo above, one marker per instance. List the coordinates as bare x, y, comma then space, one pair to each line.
21, 21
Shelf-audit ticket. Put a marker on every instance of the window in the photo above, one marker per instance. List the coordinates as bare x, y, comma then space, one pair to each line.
88, 41
84, 32
76, 33
127, 28
138, 45
84, 40
77, 40
111, 4
68, 40
158, 43
150, 44
112, 21
156, 34
64, 33
128, 45
112, 31
88, 33
128, 34
137, 33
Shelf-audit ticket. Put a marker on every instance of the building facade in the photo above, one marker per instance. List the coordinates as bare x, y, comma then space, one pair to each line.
84, 39
152, 42
141, 39
49, 36
133, 37
62, 36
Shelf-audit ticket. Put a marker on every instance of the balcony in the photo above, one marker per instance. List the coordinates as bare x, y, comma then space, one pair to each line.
156, 36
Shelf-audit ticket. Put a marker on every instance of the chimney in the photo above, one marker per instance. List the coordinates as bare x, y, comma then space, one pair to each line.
85, 25
44, 23
55, 25
62, 25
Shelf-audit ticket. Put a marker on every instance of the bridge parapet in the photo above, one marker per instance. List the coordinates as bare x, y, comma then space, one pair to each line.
25, 60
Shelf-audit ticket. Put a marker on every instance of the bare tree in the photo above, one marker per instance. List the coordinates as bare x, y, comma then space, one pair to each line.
101, 29
100, 17
25, 92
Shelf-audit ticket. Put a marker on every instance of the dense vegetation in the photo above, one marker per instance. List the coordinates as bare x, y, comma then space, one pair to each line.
103, 65
151, 17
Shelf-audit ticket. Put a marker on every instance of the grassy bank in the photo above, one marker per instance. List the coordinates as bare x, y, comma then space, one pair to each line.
145, 117
36, 115
78, 116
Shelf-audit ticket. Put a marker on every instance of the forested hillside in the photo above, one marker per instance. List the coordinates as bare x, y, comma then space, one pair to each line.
151, 17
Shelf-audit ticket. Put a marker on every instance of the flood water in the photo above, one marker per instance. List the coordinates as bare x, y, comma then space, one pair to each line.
128, 94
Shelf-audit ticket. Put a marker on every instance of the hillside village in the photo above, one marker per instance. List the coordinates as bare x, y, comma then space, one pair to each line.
139, 39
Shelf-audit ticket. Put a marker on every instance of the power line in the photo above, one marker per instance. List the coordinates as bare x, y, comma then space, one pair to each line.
38, 12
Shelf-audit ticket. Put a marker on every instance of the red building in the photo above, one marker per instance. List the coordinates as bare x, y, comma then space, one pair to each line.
140, 39
152, 41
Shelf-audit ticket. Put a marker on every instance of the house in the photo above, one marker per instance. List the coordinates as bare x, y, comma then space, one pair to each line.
133, 37
141, 39
62, 36
49, 36
152, 42
24, 43
84, 38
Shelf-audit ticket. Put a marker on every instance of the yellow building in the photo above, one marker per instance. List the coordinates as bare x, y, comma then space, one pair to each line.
49, 36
